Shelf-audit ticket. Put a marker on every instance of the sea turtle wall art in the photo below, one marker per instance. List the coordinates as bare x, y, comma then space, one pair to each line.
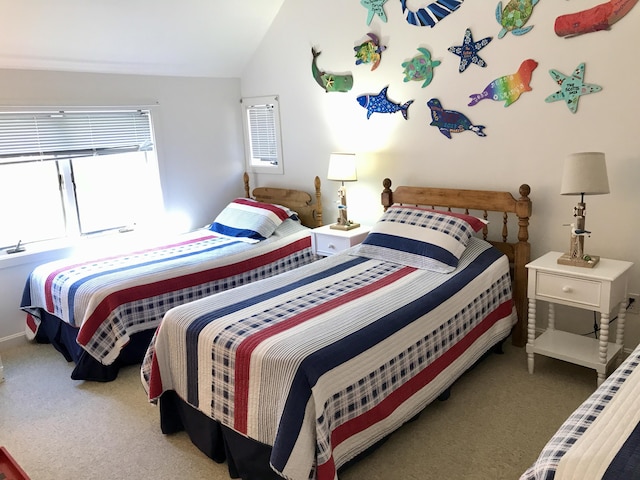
420, 68
514, 16
369, 51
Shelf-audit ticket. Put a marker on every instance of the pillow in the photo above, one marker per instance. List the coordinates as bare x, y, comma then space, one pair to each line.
420, 237
248, 219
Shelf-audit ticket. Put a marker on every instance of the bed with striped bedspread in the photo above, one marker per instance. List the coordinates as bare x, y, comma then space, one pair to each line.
322, 362
108, 300
601, 439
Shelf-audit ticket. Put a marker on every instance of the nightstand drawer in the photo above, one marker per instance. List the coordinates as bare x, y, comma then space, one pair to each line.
569, 289
328, 241
332, 244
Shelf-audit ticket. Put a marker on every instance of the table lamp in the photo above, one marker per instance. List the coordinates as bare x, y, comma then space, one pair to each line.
342, 168
583, 174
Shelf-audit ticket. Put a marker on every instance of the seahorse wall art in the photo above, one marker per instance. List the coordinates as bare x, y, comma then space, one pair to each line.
600, 17
331, 82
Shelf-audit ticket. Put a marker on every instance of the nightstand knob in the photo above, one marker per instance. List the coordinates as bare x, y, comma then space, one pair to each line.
331, 246
567, 289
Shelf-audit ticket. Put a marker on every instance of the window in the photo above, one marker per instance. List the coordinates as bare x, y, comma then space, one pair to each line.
263, 144
71, 173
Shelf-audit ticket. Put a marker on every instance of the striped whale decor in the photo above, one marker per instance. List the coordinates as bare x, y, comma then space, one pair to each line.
432, 13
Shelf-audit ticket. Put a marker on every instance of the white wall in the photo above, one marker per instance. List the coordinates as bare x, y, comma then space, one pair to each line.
525, 143
199, 134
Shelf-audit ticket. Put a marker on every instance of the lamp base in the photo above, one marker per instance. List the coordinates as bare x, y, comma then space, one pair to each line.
349, 226
587, 261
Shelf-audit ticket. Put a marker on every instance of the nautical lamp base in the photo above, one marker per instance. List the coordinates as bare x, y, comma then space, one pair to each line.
587, 261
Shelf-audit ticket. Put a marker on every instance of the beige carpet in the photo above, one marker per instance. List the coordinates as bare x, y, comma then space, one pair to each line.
492, 427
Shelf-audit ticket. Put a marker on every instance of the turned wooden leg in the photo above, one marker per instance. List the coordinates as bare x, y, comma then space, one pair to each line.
603, 346
531, 333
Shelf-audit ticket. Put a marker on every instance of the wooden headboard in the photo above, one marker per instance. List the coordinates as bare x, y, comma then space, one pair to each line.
310, 213
484, 201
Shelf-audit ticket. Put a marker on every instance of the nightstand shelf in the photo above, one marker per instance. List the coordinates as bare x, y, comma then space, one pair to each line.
329, 241
599, 289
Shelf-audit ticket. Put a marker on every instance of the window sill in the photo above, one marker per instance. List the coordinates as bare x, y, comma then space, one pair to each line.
42, 252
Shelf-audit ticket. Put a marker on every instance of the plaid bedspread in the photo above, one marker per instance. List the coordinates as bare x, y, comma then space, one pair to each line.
601, 438
109, 299
322, 362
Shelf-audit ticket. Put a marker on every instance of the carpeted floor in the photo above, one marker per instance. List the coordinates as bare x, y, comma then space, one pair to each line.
492, 427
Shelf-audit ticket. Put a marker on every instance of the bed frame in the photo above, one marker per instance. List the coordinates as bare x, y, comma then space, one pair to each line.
484, 201
297, 200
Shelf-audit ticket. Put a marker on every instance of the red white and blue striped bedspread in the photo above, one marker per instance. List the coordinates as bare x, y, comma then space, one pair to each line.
601, 438
109, 299
322, 362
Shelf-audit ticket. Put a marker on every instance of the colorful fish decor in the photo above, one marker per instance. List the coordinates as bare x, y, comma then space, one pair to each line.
508, 88
600, 17
380, 104
420, 67
430, 15
571, 88
331, 82
370, 51
514, 16
375, 7
468, 51
450, 121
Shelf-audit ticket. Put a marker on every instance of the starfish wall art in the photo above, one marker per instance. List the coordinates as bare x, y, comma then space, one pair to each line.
571, 87
468, 51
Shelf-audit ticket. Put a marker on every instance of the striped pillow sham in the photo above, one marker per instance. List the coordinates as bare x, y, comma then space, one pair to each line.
420, 237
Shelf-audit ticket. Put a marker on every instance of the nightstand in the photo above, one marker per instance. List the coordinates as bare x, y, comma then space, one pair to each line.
599, 289
328, 241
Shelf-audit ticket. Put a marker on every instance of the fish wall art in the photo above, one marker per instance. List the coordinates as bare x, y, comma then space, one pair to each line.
370, 51
450, 121
468, 51
381, 104
509, 87
330, 82
571, 87
430, 15
600, 17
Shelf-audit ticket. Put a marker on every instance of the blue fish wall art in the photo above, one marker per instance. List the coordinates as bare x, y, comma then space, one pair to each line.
380, 104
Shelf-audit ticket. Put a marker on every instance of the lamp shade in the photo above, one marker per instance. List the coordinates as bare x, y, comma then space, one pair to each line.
342, 167
585, 174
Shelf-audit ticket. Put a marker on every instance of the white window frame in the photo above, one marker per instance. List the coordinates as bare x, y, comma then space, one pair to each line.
262, 133
116, 143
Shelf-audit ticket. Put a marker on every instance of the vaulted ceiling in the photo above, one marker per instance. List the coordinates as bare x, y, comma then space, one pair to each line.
211, 38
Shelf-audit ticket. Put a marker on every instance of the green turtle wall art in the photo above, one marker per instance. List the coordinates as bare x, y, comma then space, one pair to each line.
514, 16
331, 82
369, 51
420, 67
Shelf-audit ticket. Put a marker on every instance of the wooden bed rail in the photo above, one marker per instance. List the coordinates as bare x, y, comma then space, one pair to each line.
485, 201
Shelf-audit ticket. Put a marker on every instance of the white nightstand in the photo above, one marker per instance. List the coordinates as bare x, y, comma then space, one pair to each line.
598, 289
328, 241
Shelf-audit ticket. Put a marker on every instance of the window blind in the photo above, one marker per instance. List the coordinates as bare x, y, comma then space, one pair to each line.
262, 126
37, 136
